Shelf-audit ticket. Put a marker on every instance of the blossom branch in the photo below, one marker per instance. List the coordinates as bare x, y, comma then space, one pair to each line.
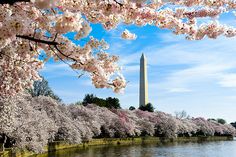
37, 40
64, 60
64, 54
11, 2
118, 3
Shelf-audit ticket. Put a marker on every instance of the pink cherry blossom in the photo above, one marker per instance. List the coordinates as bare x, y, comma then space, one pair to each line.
33, 122
40, 24
127, 35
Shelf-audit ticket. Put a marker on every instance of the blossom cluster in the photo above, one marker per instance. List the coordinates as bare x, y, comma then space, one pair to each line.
33, 122
31, 28
127, 35
30, 35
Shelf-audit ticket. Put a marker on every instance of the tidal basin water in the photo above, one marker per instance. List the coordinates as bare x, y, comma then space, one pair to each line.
205, 149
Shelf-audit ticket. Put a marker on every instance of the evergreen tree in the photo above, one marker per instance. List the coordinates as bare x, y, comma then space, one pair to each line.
221, 121
131, 108
108, 102
149, 107
42, 88
233, 124
88, 99
112, 103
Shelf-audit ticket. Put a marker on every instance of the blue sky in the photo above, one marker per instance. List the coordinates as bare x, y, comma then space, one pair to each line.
196, 76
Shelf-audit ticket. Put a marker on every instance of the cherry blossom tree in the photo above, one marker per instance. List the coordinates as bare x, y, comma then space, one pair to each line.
33, 129
67, 128
25, 126
205, 127
186, 127
29, 28
7, 114
31, 122
166, 126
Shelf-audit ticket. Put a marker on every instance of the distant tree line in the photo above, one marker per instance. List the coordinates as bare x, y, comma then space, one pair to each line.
108, 102
218, 120
112, 103
42, 88
233, 124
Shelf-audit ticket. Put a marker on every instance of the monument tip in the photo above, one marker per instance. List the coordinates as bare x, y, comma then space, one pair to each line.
143, 55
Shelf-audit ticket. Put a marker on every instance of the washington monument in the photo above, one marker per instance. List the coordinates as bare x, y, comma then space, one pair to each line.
143, 84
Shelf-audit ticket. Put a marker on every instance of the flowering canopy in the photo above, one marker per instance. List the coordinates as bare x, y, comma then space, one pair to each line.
33, 122
29, 28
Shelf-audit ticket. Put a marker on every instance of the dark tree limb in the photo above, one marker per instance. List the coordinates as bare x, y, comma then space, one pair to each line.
119, 3
37, 40
52, 44
55, 46
79, 74
49, 43
11, 2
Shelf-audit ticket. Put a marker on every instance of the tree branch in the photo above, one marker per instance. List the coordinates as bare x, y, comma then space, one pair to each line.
119, 3
55, 46
37, 40
64, 60
50, 43
11, 2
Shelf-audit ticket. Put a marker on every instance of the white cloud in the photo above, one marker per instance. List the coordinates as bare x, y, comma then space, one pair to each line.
54, 67
228, 80
170, 37
130, 59
198, 73
130, 69
179, 90
205, 61
58, 70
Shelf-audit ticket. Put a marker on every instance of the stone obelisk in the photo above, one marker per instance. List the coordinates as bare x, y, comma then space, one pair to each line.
143, 84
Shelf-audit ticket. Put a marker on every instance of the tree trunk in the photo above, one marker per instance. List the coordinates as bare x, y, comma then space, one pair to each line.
1, 147
4, 140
